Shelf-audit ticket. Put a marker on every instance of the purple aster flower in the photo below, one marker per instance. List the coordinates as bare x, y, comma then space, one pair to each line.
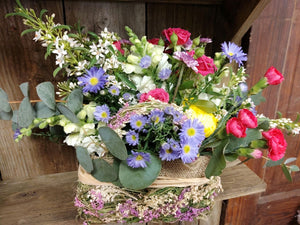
189, 151
102, 113
138, 159
138, 122
114, 90
157, 116
93, 81
174, 145
126, 96
167, 153
145, 62
205, 40
192, 131
244, 87
187, 59
165, 73
17, 133
132, 138
234, 52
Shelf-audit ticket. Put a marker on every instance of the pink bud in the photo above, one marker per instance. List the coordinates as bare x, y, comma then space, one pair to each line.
273, 76
257, 154
247, 118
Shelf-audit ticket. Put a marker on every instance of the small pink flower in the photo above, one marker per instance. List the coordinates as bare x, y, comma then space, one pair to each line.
118, 45
247, 118
158, 93
257, 154
206, 65
273, 76
235, 127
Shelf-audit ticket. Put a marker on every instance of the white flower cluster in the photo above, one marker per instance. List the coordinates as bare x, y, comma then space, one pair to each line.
285, 123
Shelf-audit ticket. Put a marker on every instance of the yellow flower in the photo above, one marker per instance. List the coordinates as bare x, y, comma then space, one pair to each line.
208, 120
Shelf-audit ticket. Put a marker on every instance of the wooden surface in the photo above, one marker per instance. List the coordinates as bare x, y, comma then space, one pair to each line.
275, 41
48, 199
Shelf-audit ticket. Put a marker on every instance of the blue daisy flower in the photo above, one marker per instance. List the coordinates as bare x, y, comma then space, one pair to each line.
138, 159
138, 122
167, 153
234, 52
102, 113
126, 96
145, 62
157, 116
174, 145
93, 81
192, 131
132, 138
189, 152
114, 90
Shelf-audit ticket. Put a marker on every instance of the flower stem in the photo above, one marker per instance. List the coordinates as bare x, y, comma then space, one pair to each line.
178, 83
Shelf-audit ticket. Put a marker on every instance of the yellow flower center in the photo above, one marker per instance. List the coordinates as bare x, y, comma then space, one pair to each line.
133, 137
191, 132
157, 119
138, 123
169, 151
94, 81
230, 53
187, 149
103, 114
139, 158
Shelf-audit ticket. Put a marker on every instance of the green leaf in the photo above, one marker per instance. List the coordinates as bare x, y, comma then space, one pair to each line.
84, 159
93, 35
206, 106
43, 111
75, 100
186, 85
4, 105
48, 52
46, 93
111, 49
20, 14
231, 157
217, 162
6, 115
294, 168
15, 116
25, 89
43, 11
289, 160
259, 144
139, 178
26, 113
235, 143
92, 62
56, 71
20, 5
62, 27
263, 123
113, 142
27, 31
286, 172
271, 163
258, 98
67, 113
124, 79
103, 171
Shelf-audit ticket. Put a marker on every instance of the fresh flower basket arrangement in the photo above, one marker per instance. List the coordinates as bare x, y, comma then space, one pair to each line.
153, 121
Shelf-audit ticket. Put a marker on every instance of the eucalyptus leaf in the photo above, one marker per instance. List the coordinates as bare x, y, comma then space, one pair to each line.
289, 160
26, 113
113, 142
286, 172
84, 159
4, 105
294, 168
6, 115
206, 106
25, 89
139, 178
103, 171
217, 162
271, 163
258, 98
14, 118
67, 113
75, 100
46, 93
43, 111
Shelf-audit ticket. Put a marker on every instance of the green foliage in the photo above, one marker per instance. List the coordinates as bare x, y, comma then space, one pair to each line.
6, 115
286, 172
113, 142
67, 113
84, 159
263, 123
46, 93
258, 144
206, 106
4, 105
271, 163
25, 89
124, 79
139, 178
28, 31
103, 171
75, 100
26, 113
258, 98
43, 111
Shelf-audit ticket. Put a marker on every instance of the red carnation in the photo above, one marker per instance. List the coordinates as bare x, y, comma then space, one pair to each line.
183, 35
234, 126
276, 143
273, 76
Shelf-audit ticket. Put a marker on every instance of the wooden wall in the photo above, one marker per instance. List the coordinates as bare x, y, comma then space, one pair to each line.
275, 40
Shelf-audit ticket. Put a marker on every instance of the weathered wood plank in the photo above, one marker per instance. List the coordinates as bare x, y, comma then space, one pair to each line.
96, 15
22, 60
198, 2
48, 199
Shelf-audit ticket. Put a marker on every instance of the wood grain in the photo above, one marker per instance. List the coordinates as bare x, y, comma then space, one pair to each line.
48, 199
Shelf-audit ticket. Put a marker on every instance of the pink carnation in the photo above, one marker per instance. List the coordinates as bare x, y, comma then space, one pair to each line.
158, 93
206, 65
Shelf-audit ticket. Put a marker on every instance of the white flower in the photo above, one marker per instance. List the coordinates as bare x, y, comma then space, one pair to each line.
144, 84
71, 128
87, 129
80, 67
73, 139
60, 50
37, 35
91, 144
129, 68
60, 60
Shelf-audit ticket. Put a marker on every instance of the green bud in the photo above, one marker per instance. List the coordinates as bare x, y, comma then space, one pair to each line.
144, 40
133, 59
161, 42
199, 52
81, 115
218, 55
43, 125
196, 41
37, 121
28, 132
174, 39
259, 86
218, 64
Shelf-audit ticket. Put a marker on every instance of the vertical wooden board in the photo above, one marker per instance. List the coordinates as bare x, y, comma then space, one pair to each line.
96, 15
197, 19
22, 60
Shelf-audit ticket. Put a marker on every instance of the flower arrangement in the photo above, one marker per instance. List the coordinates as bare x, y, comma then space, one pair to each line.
135, 109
